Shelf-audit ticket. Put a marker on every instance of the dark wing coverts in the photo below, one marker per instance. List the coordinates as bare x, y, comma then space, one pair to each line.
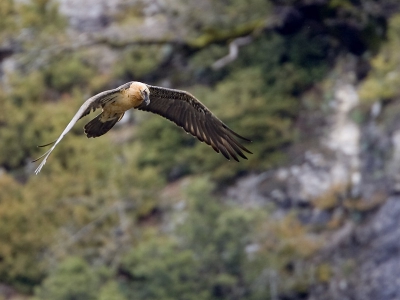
189, 113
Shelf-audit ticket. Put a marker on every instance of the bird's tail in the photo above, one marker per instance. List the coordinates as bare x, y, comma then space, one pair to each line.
97, 128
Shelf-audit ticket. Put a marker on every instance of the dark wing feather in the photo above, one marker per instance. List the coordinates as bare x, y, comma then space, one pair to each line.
195, 118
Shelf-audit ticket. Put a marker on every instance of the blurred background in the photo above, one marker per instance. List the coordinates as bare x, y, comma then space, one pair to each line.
147, 211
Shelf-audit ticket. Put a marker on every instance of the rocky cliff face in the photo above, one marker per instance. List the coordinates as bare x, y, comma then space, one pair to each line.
350, 176
90, 16
366, 258
333, 162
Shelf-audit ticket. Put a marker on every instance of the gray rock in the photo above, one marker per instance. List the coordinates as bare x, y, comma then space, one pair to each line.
375, 249
89, 15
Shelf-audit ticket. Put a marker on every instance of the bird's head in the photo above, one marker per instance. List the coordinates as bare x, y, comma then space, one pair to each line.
140, 91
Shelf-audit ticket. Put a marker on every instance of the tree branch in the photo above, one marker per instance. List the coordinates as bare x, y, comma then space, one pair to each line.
233, 52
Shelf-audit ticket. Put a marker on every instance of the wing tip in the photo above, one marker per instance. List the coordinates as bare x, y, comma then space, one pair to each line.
236, 134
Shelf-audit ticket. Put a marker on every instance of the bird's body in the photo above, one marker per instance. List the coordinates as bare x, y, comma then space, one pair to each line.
114, 109
128, 98
178, 106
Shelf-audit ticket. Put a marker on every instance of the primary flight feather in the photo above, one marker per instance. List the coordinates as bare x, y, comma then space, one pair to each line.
177, 106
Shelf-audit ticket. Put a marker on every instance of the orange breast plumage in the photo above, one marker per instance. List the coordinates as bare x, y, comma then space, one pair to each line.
124, 102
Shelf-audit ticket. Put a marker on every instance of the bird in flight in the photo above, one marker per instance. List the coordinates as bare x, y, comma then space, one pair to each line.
177, 106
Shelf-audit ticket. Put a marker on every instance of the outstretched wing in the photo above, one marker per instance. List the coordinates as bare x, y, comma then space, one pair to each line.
101, 99
89, 105
195, 118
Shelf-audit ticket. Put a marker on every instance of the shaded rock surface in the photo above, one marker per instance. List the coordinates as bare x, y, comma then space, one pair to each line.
366, 259
334, 163
91, 15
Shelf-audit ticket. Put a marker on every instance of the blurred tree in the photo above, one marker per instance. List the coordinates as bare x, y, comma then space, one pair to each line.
22, 242
206, 259
73, 279
383, 81
7, 20
111, 291
215, 251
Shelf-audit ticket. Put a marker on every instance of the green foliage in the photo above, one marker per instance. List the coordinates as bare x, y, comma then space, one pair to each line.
65, 73
18, 111
41, 15
161, 270
7, 19
206, 260
192, 21
37, 15
111, 291
139, 61
218, 235
288, 65
73, 279
383, 81
22, 242
204, 257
